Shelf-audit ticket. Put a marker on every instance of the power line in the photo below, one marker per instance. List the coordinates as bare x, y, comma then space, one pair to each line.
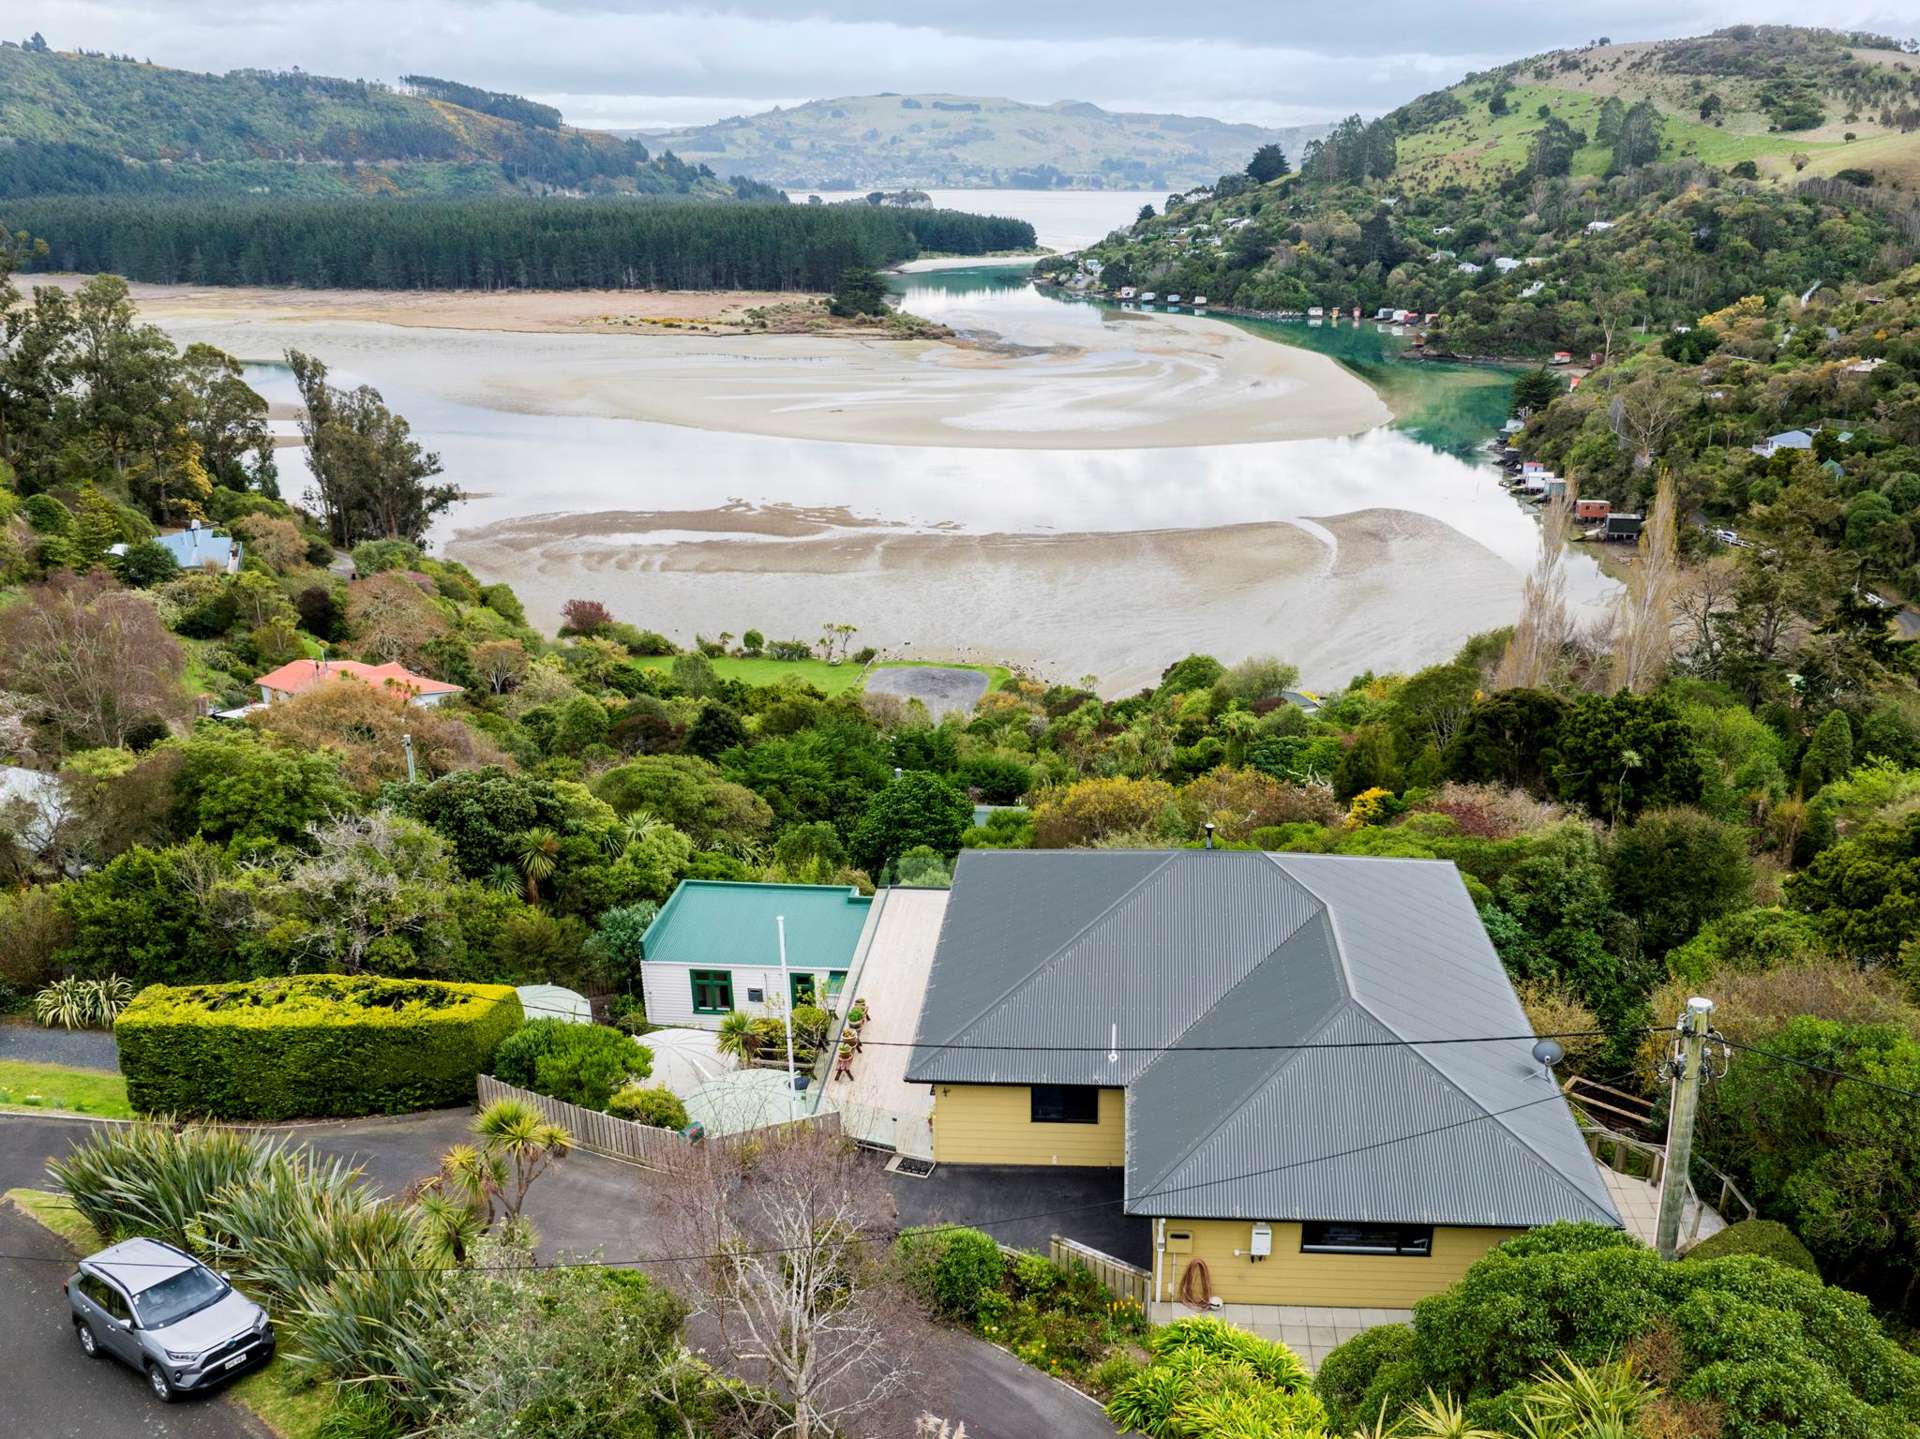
1813, 1068
872, 1234
1396, 1043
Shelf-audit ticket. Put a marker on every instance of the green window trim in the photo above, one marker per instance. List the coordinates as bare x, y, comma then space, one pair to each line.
718, 987
803, 987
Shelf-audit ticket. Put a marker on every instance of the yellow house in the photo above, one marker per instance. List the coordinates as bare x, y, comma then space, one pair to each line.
1309, 1074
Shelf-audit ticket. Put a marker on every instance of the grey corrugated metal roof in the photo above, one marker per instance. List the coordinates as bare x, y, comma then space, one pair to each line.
1181, 955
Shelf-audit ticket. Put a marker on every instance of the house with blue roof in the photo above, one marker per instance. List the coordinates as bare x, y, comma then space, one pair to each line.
714, 948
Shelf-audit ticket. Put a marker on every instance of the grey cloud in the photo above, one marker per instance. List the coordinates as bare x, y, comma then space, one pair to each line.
637, 63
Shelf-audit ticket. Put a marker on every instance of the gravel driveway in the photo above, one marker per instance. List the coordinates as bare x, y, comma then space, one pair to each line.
80, 1048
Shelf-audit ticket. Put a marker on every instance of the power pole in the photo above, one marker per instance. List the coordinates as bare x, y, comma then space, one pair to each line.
1686, 1103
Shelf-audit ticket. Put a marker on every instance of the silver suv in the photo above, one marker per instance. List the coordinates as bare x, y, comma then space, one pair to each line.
167, 1314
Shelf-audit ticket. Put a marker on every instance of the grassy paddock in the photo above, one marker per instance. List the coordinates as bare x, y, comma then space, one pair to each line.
287, 1405
828, 679
27, 1086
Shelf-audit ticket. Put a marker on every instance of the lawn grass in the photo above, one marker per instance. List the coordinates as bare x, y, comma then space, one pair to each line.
55, 1212
279, 1396
828, 679
29, 1086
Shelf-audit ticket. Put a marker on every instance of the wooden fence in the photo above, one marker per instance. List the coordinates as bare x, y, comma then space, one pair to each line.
1127, 1281
591, 1130
599, 1133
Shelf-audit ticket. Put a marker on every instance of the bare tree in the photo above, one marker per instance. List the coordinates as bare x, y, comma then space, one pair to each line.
1541, 633
1643, 410
94, 660
795, 1281
1703, 595
1643, 643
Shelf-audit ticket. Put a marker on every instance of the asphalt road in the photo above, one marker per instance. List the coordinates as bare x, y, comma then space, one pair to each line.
584, 1207
53, 1391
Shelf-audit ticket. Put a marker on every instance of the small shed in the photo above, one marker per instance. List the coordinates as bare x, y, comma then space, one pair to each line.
1621, 528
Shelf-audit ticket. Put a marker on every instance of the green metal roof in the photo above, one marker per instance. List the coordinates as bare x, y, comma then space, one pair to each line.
720, 924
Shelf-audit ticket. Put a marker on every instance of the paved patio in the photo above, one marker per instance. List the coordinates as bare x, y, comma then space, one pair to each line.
1312, 1333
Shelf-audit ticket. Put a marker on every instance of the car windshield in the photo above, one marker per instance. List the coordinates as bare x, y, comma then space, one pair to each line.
177, 1296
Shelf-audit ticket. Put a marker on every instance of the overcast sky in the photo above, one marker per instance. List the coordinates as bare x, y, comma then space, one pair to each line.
621, 63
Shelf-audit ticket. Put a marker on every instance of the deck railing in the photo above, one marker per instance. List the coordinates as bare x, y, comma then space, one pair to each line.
1627, 1155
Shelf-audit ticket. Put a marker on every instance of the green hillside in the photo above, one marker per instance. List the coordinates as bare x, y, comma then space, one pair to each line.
1566, 201
1792, 101
959, 141
79, 123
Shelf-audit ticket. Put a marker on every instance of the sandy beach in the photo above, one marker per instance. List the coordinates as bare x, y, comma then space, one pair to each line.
1076, 380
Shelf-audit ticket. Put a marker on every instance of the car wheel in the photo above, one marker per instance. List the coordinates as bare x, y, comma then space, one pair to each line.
161, 1386
89, 1346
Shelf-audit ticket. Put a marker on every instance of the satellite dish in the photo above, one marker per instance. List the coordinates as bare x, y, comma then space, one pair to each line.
1549, 1053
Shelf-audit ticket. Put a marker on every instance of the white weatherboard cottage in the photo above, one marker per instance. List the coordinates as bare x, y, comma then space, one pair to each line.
714, 948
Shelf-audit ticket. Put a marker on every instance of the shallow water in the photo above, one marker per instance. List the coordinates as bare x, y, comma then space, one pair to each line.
1109, 562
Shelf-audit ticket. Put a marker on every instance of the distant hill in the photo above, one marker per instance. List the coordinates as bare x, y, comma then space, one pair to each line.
962, 142
1793, 101
89, 124
1528, 209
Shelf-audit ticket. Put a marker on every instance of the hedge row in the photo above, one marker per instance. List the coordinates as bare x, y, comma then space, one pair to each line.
310, 1045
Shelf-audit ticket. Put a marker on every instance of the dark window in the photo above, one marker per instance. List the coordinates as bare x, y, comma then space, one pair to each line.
756, 996
105, 1295
803, 989
712, 991
1340, 1238
1066, 1104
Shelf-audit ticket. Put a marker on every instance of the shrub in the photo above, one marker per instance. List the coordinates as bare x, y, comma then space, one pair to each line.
951, 1268
1776, 1351
655, 1105
1350, 1379
579, 1063
372, 557
308, 1235
82, 1003
1765, 1237
1209, 1379
310, 1045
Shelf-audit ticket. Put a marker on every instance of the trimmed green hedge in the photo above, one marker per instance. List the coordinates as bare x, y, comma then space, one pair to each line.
310, 1045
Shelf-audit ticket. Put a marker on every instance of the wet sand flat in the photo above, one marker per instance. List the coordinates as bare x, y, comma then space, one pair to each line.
1132, 381
1331, 595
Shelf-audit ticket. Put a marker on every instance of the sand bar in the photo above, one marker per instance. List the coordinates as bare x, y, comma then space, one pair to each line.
1075, 380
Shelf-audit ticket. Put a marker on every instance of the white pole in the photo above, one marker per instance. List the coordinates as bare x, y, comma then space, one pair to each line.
786, 989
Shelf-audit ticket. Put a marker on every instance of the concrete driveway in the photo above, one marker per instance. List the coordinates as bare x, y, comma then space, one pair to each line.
585, 1207
53, 1391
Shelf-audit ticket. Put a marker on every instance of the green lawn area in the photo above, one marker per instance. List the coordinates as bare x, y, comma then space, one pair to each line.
54, 1086
277, 1395
829, 679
